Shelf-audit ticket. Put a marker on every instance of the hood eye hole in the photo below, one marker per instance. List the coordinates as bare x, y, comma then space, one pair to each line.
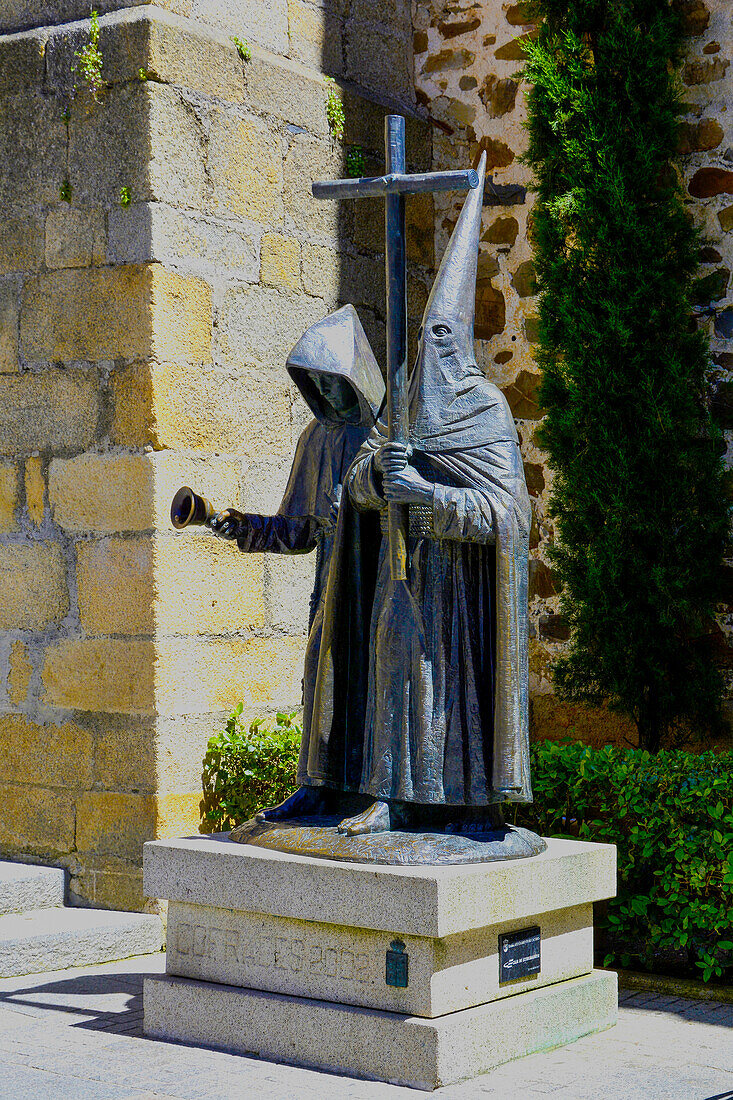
441, 330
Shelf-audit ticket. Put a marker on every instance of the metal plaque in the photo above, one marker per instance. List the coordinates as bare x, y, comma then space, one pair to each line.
519, 954
396, 970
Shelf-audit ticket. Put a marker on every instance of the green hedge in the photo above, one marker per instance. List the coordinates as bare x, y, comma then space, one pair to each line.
249, 766
670, 817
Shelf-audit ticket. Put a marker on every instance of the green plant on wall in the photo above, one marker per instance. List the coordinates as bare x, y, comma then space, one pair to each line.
125, 196
88, 61
355, 164
335, 109
243, 48
639, 501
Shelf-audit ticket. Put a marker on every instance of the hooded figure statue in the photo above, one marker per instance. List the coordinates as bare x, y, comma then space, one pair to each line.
335, 371
442, 721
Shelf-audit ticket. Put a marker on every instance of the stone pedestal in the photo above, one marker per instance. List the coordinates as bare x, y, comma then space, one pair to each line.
391, 973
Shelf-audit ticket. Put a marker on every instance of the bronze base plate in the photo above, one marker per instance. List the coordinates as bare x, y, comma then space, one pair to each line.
318, 836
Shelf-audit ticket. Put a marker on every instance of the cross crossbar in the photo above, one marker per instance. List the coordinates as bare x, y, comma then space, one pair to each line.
396, 183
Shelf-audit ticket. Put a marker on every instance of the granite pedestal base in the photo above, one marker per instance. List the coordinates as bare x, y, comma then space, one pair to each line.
416, 975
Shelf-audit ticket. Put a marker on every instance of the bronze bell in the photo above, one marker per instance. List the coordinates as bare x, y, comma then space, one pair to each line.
188, 508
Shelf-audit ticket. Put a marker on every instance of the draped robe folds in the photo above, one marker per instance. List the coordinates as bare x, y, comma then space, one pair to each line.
457, 732
303, 523
333, 367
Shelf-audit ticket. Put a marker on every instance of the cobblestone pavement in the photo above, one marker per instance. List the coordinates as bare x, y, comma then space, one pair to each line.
77, 1034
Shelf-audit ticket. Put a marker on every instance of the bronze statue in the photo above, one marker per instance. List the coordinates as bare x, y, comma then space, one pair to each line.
416, 686
336, 373
444, 719
419, 725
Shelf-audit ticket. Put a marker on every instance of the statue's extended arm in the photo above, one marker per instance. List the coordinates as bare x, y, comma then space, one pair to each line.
271, 534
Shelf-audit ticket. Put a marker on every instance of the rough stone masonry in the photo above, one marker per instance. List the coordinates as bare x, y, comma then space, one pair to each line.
159, 255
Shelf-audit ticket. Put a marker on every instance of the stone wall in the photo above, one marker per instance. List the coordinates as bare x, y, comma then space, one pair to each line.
467, 56
368, 42
159, 254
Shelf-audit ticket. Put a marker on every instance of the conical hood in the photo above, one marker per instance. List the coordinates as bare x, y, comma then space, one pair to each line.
453, 297
449, 402
337, 346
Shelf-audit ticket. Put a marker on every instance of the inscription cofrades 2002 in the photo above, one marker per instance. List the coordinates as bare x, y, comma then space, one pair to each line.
279, 952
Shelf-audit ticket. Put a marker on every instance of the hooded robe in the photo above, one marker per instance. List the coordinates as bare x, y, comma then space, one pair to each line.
449, 723
337, 347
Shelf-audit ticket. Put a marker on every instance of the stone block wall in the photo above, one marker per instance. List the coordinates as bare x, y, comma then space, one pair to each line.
467, 60
160, 253
707, 147
367, 42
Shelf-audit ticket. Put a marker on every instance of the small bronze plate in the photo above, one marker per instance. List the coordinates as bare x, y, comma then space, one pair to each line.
397, 962
519, 954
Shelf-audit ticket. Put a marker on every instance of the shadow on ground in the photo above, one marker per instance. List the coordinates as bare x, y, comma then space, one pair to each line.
103, 1002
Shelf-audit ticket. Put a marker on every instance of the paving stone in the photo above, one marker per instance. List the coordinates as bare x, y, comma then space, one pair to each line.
647, 1056
23, 1083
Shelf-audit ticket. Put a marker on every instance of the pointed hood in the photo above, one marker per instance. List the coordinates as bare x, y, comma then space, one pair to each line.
337, 346
453, 296
452, 405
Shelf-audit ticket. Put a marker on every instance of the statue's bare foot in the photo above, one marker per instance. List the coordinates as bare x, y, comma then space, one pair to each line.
373, 820
305, 802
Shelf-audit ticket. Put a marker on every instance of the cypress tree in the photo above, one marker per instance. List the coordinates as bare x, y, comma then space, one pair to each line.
638, 493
